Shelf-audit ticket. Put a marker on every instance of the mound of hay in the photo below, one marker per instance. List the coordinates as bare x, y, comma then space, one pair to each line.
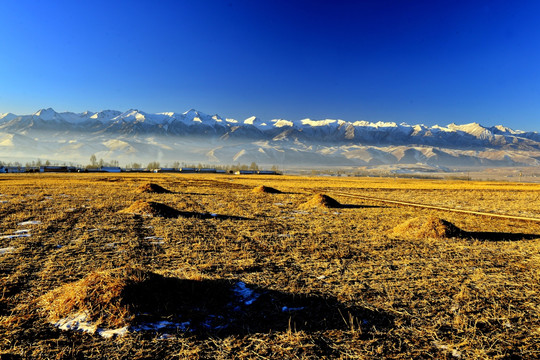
151, 208
322, 201
98, 296
426, 227
152, 188
266, 190
130, 297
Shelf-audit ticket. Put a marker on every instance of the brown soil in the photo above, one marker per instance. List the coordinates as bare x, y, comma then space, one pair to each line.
151, 208
266, 190
152, 188
426, 227
322, 201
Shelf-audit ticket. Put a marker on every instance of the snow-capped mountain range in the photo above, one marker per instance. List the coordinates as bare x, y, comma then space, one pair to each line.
136, 136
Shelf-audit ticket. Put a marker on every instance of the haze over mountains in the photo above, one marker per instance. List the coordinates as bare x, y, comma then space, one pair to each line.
191, 137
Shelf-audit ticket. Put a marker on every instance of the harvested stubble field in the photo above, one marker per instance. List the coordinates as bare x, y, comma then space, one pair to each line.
233, 273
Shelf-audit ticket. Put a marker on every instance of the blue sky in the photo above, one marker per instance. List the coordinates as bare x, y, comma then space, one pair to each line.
431, 62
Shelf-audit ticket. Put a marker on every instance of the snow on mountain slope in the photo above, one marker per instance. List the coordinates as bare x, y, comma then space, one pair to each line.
105, 115
132, 135
7, 117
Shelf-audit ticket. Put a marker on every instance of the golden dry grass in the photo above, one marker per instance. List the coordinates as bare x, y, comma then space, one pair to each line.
473, 296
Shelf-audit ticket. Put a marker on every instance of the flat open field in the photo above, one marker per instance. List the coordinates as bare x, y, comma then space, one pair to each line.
226, 272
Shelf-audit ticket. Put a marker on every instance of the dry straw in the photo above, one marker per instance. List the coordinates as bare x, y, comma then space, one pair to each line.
152, 188
266, 190
99, 295
321, 201
129, 297
426, 227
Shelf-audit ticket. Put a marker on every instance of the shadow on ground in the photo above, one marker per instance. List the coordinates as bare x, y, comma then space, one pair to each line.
193, 214
499, 236
352, 206
224, 308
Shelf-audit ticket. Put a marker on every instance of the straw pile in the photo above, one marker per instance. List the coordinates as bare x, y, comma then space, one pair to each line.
266, 190
152, 188
425, 228
98, 295
130, 297
321, 201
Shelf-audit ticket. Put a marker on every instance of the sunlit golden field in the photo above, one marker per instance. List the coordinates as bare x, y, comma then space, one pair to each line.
325, 282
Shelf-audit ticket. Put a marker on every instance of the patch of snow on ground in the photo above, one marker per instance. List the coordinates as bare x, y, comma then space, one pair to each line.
6, 250
247, 295
76, 322
211, 319
289, 309
109, 333
30, 222
184, 326
15, 236
80, 322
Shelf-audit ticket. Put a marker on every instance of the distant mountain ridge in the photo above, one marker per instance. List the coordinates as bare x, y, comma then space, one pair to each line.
136, 135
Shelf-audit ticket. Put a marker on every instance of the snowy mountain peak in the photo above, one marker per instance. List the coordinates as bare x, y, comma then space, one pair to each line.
105, 115
46, 114
282, 123
191, 113
7, 116
252, 120
317, 123
134, 135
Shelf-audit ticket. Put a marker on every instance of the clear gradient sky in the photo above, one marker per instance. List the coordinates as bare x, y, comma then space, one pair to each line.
431, 62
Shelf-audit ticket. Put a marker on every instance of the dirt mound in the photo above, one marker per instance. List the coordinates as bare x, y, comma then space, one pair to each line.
426, 227
133, 298
320, 200
152, 188
150, 208
266, 190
